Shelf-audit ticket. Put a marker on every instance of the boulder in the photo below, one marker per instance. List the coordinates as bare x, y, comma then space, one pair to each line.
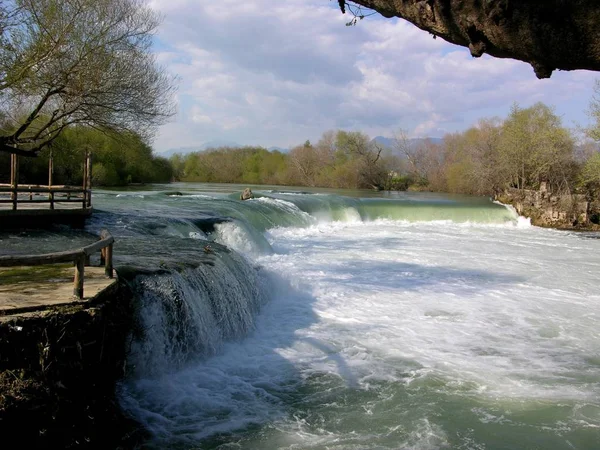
247, 194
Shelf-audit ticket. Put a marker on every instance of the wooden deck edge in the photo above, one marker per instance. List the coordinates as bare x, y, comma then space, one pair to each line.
45, 212
43, 218
111, 289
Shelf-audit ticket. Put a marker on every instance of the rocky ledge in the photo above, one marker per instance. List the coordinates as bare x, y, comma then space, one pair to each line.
58, 373
545, 209
549, 34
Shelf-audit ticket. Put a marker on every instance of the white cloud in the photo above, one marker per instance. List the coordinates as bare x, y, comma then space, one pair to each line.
277, 72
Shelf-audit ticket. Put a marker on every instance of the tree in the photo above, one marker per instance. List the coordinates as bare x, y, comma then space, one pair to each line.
66, 62
535, 147
472, 158
367, 154
305, 164
589, 154
593, 132
590, 174
425, 160
413, 154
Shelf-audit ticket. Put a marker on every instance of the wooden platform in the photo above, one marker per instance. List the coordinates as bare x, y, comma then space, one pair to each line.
36, 215
41, 208
31, 289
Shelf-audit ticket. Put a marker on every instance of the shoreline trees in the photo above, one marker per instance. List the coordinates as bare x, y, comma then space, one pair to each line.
78, 62
528, 148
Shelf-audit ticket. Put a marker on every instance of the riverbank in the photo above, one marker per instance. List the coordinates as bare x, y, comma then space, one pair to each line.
548, 210
58, 374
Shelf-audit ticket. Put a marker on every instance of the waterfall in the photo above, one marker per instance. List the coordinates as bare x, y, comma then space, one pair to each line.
187, 314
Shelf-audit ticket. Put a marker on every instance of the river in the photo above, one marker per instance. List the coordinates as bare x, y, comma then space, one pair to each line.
320, 319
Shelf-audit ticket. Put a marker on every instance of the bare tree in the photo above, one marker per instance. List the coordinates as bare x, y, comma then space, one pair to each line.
372, 173
593, 132
65, 62
305, 164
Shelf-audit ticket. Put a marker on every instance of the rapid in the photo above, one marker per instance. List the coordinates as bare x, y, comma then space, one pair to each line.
315, 319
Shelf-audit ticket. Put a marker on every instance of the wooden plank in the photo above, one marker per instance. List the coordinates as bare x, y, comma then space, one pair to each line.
27, 186
43, 294
44, 200
96, 246
39, 260
44, 189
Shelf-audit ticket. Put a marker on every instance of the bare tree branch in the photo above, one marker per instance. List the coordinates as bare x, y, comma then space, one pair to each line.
80, 61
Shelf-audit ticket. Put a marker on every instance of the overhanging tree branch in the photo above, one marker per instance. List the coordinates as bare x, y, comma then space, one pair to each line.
549, 34
81, 61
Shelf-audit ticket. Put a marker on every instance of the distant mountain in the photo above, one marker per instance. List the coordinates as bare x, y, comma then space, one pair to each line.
198, 148
279, 149
389, 142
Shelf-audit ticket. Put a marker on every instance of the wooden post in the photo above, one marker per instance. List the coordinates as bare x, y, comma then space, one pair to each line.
50, 173
14, 175
106, 255
84, 184
79, 274
108, 263
89, 179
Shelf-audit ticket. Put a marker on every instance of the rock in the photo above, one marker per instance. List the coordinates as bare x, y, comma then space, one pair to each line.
548, 209
247, 194
549, 34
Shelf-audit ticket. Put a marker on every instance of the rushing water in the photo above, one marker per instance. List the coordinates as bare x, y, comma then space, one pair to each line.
332, 320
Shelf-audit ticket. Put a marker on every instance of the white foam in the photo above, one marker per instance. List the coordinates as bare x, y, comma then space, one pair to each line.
240, 238
494, 315
130, 196
522, 222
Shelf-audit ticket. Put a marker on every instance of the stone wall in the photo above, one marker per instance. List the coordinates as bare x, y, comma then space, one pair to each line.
546, 209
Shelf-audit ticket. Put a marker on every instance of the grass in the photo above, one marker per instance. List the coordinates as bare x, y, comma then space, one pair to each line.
38, 274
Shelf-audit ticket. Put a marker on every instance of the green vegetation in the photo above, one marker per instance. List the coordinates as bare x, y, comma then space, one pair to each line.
70, 63
528, 148
252, 165
80, 76
342, 159
42, 274
117, 160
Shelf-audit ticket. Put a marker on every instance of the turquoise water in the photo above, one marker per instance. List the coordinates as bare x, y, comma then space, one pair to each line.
324, 319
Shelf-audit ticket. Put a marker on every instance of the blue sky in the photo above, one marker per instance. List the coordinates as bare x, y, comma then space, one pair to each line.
278, 72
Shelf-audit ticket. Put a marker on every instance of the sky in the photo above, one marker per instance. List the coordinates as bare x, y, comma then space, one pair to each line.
279, 72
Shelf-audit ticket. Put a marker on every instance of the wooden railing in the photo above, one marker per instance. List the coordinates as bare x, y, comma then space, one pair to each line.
80, 258
28, 193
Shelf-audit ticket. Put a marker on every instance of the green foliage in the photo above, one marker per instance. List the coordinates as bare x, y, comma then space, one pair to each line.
342, 159
65, 62
249, 165
117, 159
590, 173
529, 147
593, 132
535, 147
